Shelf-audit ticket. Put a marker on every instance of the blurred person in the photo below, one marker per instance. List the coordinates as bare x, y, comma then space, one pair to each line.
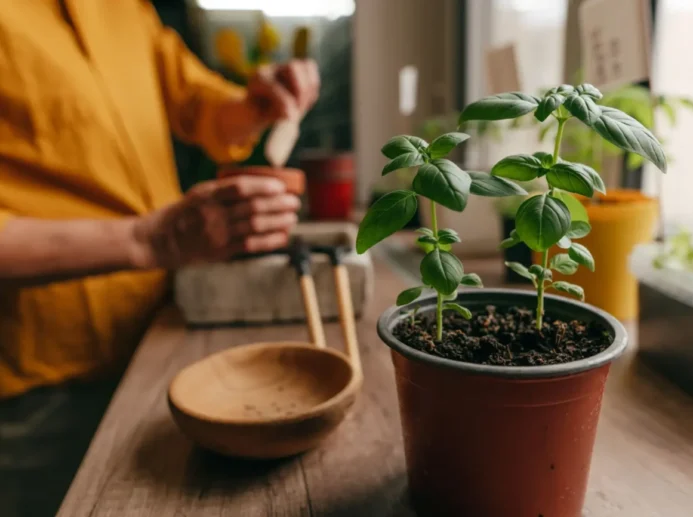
91, 213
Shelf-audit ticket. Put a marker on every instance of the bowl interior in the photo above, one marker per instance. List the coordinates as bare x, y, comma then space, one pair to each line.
261, 383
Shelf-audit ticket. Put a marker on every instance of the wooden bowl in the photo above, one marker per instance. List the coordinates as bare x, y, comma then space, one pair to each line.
266, 400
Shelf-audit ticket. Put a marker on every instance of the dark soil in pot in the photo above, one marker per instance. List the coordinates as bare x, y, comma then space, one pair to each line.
506, 337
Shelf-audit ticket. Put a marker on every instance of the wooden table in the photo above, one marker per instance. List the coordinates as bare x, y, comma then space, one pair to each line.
140, 465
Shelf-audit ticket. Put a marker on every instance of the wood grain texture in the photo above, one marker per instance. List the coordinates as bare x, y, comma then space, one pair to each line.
265, 400
140, 465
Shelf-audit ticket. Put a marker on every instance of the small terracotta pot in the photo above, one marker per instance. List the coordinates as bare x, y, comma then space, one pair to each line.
500, 441
294, 179
330, 180
622, 220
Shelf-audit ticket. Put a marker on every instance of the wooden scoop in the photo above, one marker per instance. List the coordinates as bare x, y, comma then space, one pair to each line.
282, 138
271, 400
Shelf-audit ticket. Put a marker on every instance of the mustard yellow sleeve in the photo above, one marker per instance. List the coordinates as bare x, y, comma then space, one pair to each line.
192, 93
5, 216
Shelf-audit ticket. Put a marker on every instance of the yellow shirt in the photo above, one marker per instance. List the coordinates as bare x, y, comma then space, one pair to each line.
88, 97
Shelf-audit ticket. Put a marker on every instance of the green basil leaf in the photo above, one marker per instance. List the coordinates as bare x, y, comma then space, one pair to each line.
404, 161
472, 280
630, 135
427, 247
441, 146
589, 90
569, 177
488, 185
540, 273
564, 243
500, 107
564, 89
448, 236
443, 182
408, 295
511, 241
426, 239
403, 144
581, 255
584, 108
597, 181
520, 270
450, 297
442, 270
546, 159
520, 167
564, 264
449, 232
462, 311
547, 105
578, 212
387, 215
425, 231
579, 229
541, 221
572, 289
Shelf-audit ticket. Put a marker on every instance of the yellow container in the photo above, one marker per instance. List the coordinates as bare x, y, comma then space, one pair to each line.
620, 221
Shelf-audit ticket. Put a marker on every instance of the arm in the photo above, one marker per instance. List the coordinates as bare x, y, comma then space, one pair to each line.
193, 95
38, 251
225, 119
213, 222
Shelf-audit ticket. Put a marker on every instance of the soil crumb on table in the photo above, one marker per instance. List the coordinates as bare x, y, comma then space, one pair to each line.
505, 337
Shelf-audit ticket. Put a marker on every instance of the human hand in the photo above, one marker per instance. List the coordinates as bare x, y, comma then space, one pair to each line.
274, 92
215, 221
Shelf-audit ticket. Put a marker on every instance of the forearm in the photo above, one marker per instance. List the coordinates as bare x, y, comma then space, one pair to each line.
38, 251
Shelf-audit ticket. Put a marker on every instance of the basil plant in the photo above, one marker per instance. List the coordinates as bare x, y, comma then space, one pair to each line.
443, 183
556, 218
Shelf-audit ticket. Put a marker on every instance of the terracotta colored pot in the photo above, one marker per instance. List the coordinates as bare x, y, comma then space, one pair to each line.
294, 179
624, 219
499, 441
330, 185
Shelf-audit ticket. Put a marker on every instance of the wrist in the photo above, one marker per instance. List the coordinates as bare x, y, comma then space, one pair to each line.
138, 244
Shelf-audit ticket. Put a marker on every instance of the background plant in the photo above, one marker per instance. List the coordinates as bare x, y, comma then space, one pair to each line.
555, 217
442, 182
677, 252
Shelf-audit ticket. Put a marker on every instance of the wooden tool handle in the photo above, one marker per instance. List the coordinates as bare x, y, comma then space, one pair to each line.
310, 303
346, 316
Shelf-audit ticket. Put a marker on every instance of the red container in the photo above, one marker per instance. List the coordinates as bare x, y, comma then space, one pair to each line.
500, 441
330, 185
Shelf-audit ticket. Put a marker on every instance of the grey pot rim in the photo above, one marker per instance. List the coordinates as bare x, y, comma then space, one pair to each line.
508, 297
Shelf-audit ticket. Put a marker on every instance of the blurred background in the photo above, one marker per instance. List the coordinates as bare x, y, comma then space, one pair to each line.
363, 45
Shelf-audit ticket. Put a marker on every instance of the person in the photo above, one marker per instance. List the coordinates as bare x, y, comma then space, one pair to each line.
92, 218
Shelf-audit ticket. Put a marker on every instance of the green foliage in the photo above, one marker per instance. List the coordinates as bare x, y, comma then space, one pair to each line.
387, 215
409, 295
677, 252
442, 270
541, 221
462, 311
556, 217
442, 182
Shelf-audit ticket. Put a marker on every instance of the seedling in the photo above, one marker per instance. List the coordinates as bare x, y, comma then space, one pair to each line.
556, 217
442, 182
